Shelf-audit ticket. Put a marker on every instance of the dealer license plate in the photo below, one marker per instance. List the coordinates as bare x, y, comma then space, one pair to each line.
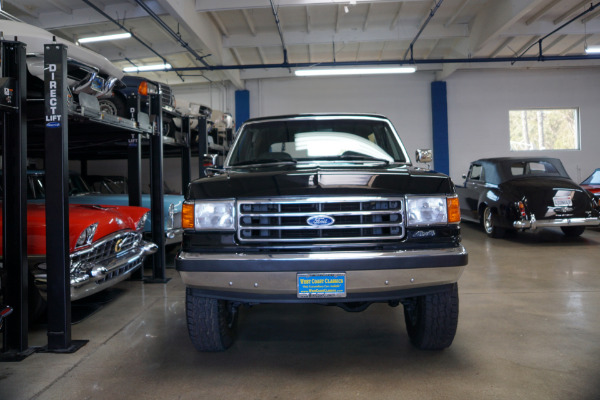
562, 201
322, 285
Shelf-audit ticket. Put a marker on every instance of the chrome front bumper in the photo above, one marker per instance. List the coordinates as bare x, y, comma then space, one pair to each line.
534, 223
90, 278
369, 274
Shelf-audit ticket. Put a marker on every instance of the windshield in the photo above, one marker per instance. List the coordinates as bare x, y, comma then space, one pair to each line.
36, 186
341, 139
593, 179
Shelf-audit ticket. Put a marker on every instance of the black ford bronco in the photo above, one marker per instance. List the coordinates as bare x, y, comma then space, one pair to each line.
327, 209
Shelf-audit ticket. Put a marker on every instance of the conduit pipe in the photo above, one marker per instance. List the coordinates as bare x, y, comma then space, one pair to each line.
539, 42
285, 57
114, 21
171, 32
431, 14
388, 62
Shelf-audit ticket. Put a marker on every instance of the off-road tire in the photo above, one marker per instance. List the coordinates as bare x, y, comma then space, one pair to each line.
211, 324
572, 231
431, 320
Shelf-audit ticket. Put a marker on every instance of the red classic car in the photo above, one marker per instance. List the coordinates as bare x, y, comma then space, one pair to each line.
592, 183
105, 245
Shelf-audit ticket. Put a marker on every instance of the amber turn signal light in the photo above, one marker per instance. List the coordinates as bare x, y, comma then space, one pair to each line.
453, 210
146, 88
187, 216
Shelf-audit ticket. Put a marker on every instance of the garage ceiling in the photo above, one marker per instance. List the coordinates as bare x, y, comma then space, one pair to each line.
237, 33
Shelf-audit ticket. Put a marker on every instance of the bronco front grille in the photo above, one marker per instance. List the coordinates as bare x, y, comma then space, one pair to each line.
106, 248
343, 219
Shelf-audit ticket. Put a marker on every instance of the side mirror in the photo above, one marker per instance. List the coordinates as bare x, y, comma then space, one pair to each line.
424, 156
464, 176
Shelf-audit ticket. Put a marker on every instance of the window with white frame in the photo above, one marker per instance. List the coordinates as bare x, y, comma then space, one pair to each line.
544, 129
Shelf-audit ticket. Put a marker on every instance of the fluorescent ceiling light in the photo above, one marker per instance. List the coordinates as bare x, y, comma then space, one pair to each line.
592, 49
141, 68
103, 38
355, 71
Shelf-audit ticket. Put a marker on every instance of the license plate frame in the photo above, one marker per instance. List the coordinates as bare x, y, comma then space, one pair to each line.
321, 285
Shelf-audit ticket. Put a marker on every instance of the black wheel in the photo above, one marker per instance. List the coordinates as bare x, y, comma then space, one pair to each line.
114, 106
489, 226
572, 231
211, 322
431, 320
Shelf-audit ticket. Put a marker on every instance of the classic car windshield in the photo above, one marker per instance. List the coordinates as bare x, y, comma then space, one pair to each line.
310, 140
537, 168
36, 186
593, 179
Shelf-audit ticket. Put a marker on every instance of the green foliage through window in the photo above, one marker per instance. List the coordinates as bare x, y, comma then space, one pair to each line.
538, 129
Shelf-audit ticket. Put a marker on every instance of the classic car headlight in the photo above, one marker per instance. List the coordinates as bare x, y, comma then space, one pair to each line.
209, 215
87, 235
432, 210
140, 224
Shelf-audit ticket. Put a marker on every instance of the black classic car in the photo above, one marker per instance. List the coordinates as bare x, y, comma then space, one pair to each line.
321, 209
510, 194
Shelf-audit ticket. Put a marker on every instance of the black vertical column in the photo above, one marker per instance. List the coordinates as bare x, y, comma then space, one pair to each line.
186, 155
57, 205
157, 194
202, 144
14, 212
134, 182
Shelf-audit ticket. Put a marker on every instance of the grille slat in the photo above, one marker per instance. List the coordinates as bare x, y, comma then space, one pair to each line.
356, 219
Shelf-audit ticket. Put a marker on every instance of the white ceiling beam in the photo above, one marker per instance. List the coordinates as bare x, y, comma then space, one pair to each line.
249, 22
299, 37
396, 17
432, 48
219, 23
58, 4
366, 23
87, 16
541, 12
261, 54
589, 17
498, 18
205, 32
578, 43
579, 7
527, 45
236, 56
554, 42
502, 45
307, 19
24, 9
222, 5
457, 13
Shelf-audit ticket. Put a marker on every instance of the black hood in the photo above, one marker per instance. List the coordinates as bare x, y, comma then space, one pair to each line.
319, 181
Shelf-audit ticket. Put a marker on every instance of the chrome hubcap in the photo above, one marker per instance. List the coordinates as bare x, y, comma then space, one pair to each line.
487, 220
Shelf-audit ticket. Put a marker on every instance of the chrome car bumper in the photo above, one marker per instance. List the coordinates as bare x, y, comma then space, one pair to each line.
92, 277
273, 277
534, 223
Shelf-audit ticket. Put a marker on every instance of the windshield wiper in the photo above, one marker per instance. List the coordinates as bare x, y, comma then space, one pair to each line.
355, 157
264, 161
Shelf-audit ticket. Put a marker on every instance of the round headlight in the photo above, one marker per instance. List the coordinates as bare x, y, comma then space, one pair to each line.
87, 236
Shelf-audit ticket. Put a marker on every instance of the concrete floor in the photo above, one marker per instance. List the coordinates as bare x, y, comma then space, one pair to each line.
529, 328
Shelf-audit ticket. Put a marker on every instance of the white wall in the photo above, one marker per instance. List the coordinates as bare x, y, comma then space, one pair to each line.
478, 105
404, 99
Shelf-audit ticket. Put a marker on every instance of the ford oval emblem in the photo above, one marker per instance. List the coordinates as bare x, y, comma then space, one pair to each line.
320, 220
53, 124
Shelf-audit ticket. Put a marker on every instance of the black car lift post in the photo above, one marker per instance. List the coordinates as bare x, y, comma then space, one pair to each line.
186, 154
202, 144
13, 83
134, 183
58, 261
157, 193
